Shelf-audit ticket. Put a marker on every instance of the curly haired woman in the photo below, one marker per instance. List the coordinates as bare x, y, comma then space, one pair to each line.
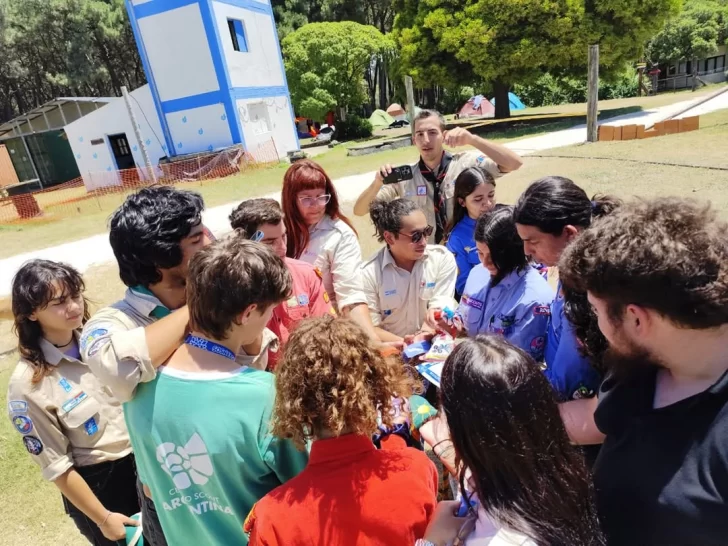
335, 388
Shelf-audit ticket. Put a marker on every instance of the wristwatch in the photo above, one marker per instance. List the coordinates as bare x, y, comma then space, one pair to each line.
423, 542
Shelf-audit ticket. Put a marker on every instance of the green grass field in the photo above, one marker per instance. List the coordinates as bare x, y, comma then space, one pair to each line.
31, 510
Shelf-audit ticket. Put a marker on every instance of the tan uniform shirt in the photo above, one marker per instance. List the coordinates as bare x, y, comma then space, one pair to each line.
114, 344
68, 419
421, 191
398, 299
334, 250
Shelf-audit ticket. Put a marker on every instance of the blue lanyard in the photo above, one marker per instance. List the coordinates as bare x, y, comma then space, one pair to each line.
209, 346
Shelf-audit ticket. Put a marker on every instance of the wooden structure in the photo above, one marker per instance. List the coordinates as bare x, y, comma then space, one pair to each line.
637, 132
8, 176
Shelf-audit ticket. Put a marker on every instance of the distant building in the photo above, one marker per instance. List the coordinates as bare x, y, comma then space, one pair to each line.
215, 79
679, 75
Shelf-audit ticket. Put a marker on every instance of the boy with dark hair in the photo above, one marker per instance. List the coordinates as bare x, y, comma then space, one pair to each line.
200, 429
656, 275
433, 184
154, 234
262, 220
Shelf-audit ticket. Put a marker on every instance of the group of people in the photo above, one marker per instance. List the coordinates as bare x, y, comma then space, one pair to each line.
250, 389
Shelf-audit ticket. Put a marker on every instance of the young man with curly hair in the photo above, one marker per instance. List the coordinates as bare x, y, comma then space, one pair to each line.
335, 388
656, 275
200, 430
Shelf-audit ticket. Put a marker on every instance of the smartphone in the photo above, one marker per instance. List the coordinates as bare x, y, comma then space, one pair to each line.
399, 174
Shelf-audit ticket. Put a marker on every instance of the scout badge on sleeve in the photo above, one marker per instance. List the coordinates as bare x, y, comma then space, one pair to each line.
33, 445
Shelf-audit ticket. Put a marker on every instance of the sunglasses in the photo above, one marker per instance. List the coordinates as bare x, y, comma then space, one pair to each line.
313, 201
417, 236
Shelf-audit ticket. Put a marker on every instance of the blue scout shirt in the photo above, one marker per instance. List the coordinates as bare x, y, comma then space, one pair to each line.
570, 373
516, 308
461, 243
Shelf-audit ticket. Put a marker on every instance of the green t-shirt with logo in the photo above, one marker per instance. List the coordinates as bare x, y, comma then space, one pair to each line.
202, 443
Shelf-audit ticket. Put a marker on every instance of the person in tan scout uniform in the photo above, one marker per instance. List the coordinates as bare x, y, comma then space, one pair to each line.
433, 185
70, 423
408, 278
154, 234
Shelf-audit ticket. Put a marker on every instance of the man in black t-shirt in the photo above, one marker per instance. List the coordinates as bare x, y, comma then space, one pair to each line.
656, 275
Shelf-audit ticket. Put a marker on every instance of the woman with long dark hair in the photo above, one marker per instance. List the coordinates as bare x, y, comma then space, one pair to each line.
531, 485
504, 295
320, 234
549, 215
70, 424
474, 196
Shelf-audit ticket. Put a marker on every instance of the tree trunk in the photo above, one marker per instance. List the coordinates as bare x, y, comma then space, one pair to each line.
502, 103
383, 95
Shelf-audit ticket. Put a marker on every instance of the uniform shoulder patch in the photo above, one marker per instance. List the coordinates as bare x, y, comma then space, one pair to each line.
33, 445
23, 424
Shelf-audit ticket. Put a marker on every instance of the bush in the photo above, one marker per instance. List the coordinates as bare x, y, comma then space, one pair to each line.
551, 90
353, 128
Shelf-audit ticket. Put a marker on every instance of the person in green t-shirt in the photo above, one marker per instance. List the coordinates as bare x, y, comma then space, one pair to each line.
200, 429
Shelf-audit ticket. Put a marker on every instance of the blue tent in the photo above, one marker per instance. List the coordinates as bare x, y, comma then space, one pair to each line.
515, 102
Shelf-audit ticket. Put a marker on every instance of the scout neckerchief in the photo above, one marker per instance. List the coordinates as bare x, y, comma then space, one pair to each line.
439, 197
159, 312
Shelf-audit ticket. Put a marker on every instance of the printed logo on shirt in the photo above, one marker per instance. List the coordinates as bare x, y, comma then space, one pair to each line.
481, 159
542, 311
390, 292
186, 465
303, 300
23, 424
424, 284
65, 385
17, 406
91, 426
472, 302
421, 190
537, 346
33, 445
69, 405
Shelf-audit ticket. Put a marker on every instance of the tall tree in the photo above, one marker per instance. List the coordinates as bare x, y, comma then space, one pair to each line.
448, 42
326, 63
695, 33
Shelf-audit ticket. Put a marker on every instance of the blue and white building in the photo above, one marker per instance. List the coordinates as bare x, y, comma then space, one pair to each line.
215, 79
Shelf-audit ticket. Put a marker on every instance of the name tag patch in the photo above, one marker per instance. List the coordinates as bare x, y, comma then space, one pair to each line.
542, 311
33, 445
69, 405
472, 302
421, 190
65, 385
91, 426
17, 406
390, 292
23, 424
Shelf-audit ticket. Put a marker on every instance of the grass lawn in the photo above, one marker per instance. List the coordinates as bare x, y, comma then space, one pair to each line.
31, 509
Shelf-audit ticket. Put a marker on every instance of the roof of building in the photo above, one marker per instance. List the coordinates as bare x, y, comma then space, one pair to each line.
37, 120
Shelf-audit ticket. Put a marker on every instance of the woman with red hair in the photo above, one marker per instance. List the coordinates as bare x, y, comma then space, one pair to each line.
318, 233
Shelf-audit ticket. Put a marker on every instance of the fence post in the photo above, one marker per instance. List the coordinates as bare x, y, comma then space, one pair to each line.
138, 134
592, 114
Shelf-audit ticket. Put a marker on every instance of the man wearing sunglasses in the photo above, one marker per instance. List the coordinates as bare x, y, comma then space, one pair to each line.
433, 183
408, 279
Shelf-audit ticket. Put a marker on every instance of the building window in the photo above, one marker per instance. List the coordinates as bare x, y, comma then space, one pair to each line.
237, 34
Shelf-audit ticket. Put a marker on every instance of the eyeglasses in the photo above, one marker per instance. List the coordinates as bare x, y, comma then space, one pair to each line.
417, 236
313, 201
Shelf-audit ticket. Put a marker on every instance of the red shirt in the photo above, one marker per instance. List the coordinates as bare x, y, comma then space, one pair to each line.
350, 494
308, 299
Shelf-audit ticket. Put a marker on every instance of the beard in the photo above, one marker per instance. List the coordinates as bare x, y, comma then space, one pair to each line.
623, 362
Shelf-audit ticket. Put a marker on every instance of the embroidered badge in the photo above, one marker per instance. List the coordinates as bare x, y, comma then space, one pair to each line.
318, 272
23, 424
69, 405
537, 346
17, 406
472, 302
65, 385
303, 300
91, 426
326, 296
387, 312
542, 311
33, 445
430, 285
97, 345
93, 335
421, 190
390, 292
507, 320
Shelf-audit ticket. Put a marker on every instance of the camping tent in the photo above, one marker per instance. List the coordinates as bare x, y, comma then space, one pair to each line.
395, 110
477, 106
380, 118
515, 102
